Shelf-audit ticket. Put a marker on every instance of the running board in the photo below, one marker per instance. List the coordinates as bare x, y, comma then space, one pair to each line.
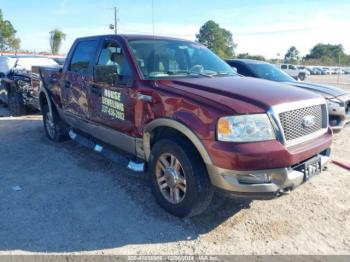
106, 152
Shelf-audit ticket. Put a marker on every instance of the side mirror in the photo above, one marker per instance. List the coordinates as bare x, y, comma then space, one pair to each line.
106, 74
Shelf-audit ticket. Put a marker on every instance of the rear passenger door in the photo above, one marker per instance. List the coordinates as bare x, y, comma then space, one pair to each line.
77, 78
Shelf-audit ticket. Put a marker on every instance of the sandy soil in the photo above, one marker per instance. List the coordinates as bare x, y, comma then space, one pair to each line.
72, 200
342, 81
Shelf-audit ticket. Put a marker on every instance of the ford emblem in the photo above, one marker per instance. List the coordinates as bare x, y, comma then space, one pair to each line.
308, 121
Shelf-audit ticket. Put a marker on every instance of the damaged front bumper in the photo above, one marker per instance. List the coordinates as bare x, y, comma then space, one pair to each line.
265, 184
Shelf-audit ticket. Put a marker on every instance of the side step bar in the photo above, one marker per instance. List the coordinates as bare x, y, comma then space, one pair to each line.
108, 153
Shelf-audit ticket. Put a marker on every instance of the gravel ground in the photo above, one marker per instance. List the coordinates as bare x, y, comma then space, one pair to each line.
342, 81
63, 198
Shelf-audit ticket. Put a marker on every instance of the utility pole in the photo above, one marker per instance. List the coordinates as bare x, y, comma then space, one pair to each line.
115, 20
338, 68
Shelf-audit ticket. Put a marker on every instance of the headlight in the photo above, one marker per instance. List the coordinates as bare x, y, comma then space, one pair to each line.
333, 102
245, 128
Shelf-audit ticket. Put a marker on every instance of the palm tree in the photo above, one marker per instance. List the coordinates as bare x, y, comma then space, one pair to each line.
56, 38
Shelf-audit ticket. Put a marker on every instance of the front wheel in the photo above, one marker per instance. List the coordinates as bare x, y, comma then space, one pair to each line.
179, 179
302, 77
55, 129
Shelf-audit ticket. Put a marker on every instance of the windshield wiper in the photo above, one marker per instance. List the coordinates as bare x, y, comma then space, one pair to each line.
190, 73
225, 74
200, 74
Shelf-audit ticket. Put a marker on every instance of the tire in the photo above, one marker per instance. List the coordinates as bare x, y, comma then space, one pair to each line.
302, 77
198, 189
55, 129
16, 108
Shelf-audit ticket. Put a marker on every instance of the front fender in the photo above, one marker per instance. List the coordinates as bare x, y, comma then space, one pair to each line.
185, 130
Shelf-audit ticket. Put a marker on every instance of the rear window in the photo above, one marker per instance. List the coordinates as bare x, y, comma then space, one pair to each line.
83, 54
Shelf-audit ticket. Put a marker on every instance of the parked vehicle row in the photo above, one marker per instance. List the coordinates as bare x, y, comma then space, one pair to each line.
301, 72
338, 100
328, 71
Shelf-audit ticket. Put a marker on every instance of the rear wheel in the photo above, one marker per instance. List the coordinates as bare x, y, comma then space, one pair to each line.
179, 179
55, 129
15, 105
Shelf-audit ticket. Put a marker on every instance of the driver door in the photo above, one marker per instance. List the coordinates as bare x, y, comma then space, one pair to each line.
111, 99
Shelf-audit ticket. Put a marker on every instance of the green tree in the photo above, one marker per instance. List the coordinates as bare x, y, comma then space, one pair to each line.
218, 39
56, 38
328, 54
8, 38
292, 56
248, 56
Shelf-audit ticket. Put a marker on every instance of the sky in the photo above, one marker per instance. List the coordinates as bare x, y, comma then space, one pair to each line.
259, 27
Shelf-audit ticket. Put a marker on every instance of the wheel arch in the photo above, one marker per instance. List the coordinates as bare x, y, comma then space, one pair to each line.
178, 127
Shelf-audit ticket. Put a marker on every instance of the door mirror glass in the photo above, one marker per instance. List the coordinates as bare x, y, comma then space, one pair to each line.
107, 74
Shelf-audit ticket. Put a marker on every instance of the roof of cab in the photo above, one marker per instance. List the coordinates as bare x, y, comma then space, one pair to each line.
134, 37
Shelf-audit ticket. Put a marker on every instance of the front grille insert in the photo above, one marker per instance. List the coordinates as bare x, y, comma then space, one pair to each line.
301, 122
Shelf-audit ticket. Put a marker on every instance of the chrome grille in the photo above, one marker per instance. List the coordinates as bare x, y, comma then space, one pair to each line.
293, 122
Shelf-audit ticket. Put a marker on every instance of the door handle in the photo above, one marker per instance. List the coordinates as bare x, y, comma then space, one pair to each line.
67, 84
96, 90
144, 97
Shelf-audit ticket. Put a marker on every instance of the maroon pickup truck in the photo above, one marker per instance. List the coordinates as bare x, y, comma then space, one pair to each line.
173, 108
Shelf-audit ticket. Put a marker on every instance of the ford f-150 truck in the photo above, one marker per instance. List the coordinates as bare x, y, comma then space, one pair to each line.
173, 108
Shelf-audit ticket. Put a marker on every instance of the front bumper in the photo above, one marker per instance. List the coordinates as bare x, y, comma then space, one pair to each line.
281, 180
339, 116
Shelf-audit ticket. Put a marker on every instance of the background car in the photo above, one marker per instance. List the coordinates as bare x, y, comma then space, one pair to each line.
338, 100
59, 60
16, 88
316, 71
293, 71
327, 71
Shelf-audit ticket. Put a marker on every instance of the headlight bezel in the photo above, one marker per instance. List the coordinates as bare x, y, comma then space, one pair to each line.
230, 129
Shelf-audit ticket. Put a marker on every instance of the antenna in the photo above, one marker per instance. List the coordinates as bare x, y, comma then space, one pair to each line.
154, 49
153, 18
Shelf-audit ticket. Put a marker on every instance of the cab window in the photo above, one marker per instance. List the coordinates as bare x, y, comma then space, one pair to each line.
112, 66
83, 54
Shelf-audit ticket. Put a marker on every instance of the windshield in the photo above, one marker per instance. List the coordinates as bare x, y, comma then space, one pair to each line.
270, 72
175, 58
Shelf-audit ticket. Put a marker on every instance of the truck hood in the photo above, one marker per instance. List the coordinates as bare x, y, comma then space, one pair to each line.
242, 94
324, 90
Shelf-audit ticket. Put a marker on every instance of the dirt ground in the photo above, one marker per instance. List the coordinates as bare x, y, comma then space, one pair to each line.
342, 81
63, 198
